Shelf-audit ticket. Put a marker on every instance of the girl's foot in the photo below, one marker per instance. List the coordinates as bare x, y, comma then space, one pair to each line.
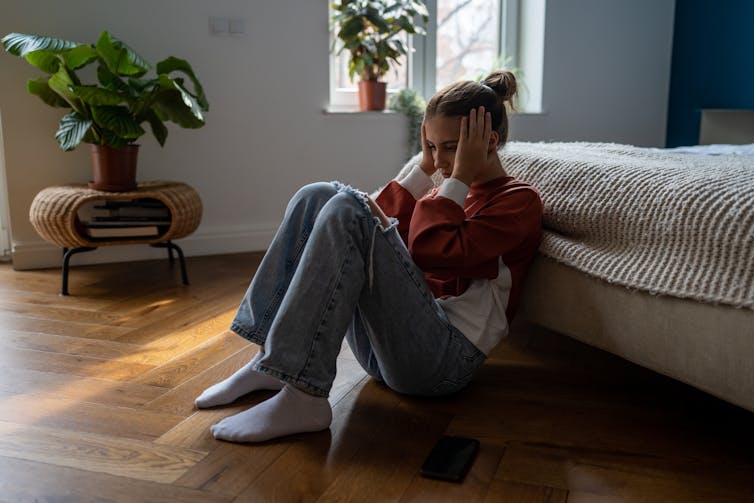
245, 380
290, 411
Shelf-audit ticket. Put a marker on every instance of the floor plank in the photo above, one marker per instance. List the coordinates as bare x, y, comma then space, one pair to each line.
183, 367
85, 416
81, 346
59, 313
180, 399
517, 492
55, 327
71, 364
97, 453
22, 481
640, 478
83, 389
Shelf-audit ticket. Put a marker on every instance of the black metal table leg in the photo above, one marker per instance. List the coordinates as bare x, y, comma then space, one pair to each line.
172, 246
67, 254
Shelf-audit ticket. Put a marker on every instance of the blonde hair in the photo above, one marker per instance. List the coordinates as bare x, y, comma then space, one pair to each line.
457, 100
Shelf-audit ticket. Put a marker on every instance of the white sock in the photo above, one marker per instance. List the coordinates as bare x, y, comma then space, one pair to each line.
290, 411
245, 380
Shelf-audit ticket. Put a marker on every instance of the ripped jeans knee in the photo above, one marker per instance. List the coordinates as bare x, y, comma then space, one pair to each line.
363, 199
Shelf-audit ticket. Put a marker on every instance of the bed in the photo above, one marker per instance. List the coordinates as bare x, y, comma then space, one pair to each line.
648, 254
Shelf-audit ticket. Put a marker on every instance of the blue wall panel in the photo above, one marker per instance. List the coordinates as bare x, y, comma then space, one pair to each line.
713, 63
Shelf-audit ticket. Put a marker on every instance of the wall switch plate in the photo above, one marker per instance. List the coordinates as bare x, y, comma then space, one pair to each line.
218, 25
236, 26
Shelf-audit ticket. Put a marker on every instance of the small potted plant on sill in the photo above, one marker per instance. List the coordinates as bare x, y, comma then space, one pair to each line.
370, 30
109, 115
408, 102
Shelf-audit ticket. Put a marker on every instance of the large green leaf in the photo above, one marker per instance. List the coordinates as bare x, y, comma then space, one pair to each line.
112, 139
370, 46
109, 80
351, 28
118, 120
140, 87
406, 24
173, 64
374, 17
62, 84
397, 45
97, 96
40, 87
47, 61
120, 58
79, 56
158, 128
20, 44
418, 8
169, 106
392, 7
73, 127
176, 104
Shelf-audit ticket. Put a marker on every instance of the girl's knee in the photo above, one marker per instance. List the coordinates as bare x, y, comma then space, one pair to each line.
342, 205
310, 198
315, 191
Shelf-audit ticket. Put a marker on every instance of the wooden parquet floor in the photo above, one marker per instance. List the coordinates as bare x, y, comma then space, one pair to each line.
97, 389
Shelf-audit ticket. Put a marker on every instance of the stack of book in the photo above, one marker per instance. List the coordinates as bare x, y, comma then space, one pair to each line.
137, 218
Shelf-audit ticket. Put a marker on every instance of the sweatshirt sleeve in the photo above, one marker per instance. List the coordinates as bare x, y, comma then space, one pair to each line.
398, 198
443, 239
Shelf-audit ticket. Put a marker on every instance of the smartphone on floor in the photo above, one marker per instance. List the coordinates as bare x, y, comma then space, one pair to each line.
450, 458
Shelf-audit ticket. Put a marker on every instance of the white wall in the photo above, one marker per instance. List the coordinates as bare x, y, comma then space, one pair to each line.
607, 65
606, 73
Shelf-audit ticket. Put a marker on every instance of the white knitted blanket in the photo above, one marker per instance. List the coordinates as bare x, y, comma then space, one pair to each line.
666, 223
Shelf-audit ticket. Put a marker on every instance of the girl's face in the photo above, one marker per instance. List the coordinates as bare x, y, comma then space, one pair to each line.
442, 140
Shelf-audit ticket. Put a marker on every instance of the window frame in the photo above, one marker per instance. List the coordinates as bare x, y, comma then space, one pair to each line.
5, 242
421, 69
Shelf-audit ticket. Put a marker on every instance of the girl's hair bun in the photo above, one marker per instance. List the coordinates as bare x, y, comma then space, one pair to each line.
503, 82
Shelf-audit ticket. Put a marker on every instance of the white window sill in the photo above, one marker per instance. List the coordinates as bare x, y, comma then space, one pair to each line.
339, 110
342, 110
527, 114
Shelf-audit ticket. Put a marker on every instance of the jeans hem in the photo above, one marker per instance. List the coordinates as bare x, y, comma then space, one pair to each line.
304, 386
249, 336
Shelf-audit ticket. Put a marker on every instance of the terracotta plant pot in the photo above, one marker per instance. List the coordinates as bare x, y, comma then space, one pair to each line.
114, 168
372, 95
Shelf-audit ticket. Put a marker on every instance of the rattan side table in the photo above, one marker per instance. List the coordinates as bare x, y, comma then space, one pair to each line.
54, 215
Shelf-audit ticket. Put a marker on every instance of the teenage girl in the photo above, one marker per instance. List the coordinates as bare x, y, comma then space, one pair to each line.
421, 282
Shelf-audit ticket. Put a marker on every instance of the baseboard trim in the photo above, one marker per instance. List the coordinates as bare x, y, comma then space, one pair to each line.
210, 241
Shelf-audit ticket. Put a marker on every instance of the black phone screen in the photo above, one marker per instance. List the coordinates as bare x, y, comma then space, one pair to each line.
450, 458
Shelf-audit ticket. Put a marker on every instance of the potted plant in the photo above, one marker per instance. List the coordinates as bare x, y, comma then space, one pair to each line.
109, 115
408, 102
370, 30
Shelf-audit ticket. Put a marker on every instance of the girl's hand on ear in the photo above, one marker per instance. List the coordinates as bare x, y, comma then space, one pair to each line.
427, 163
473, 143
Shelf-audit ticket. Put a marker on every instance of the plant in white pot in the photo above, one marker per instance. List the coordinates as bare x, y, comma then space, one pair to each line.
371, 31
109, 115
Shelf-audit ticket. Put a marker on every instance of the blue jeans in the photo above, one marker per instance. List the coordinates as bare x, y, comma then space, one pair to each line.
333, 271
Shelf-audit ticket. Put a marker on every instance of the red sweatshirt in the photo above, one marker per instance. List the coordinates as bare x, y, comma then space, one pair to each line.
459, 235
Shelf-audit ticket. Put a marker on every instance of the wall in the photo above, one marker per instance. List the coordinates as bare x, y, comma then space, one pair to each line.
267, 134
713, 66
606, 73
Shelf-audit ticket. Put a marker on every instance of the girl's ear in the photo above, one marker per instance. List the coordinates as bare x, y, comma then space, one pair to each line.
494, 137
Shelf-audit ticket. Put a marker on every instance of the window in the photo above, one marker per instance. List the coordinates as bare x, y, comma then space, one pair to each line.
4, 231
466, 39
